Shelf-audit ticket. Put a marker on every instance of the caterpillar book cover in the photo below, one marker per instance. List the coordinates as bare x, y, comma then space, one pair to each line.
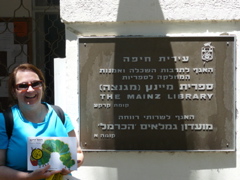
59, 152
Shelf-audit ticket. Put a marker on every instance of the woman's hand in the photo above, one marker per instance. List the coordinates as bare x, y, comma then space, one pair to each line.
79, 163
80, 157
65, 171
42, 173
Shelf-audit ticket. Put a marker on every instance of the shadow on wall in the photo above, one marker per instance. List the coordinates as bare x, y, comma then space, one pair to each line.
139, 10
143, 165
142, 67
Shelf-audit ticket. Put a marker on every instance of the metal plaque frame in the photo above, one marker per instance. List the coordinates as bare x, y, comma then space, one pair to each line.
157, 93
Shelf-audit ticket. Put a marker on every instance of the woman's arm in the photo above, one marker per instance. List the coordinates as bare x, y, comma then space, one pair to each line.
7, 173
80, 156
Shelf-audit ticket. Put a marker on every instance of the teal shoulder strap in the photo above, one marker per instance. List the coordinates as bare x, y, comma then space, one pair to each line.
8, 116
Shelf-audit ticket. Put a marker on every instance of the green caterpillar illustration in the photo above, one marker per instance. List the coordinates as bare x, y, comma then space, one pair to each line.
41, 156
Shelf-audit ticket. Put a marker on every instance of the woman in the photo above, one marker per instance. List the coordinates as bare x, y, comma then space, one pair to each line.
32, 118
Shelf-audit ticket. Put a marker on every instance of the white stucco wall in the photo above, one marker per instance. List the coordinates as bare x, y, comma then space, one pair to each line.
150, 18
152, 10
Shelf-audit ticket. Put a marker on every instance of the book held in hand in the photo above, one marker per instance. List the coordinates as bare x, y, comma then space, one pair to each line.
58, 152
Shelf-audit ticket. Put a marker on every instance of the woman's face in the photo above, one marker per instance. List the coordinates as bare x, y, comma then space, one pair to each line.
28, 96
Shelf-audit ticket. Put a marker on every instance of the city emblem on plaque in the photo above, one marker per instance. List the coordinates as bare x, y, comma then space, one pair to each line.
207, 52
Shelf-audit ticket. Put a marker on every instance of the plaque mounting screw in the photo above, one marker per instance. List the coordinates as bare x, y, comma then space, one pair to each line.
227, 43
227, 145
85, 144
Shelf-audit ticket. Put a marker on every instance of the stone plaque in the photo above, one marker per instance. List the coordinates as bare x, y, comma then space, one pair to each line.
157, 93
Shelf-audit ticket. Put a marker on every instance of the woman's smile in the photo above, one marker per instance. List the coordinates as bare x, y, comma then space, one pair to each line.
29, 95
